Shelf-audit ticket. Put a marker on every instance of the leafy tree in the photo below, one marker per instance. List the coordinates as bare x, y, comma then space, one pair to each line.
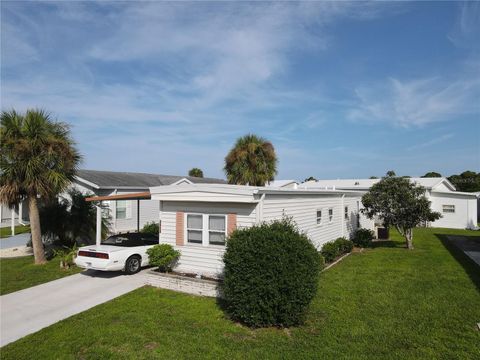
391, 173
38, 159
432, 174
401, 203
468, 181
311, 178
70, 220
252, 161
196, 172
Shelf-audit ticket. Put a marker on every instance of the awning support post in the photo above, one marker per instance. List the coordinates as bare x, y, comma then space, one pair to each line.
13, 220
138, 215
98, 238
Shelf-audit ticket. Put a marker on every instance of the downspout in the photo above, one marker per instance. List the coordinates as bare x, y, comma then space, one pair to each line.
342, 215
260, 209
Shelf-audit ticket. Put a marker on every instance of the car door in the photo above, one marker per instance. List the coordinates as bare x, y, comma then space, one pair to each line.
144, 241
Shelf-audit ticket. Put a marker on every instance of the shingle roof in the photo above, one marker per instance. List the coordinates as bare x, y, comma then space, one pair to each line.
114, 179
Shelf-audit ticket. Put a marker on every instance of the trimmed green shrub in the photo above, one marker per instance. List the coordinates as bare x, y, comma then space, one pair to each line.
164, 256
344, 245
151, 228
333, 249
330, 251
271, 274
363, 237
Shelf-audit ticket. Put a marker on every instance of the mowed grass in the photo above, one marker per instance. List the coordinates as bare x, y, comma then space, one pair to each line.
383, 303
20, 273
6, 232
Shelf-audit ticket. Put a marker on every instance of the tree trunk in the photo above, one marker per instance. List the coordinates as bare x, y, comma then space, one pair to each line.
409, 238
38, 251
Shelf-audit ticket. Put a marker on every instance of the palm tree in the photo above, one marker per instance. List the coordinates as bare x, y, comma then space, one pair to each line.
38, 159
252, 161
196, 172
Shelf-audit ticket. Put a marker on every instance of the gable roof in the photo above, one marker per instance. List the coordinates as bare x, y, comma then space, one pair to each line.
117, 180
365, 184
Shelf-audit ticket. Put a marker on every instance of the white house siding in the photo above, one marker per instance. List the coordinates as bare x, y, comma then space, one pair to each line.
465, 215
303, 210
197, 258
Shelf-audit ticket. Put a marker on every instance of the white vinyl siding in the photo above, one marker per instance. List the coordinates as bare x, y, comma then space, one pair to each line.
301, 209
461, 210
197, 258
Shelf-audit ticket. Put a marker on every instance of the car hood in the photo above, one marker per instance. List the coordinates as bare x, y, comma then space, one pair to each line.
103, 248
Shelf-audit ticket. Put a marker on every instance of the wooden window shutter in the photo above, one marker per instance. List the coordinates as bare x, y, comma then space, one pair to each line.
179, 232
231, 223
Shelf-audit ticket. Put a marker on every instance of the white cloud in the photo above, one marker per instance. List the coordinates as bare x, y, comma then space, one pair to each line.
416, 102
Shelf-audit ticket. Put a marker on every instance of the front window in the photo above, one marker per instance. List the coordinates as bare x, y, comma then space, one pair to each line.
206, 229
194, 229
346, 212
330, 215
448, 208
319, 217
121, 212
216, 229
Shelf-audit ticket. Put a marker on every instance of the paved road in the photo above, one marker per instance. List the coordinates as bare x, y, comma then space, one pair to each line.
469, 245
14, 241
27, 311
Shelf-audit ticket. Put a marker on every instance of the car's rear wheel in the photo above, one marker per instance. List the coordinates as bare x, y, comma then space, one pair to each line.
133, 265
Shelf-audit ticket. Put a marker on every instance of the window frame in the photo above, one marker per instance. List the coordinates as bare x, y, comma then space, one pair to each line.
346, 213
330, 215
118, 207
194, 229
448, 208
319, 218
205, 229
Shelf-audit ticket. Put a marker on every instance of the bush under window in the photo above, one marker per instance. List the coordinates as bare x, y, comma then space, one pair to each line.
164, 256
332, 250
271, 274
363, 237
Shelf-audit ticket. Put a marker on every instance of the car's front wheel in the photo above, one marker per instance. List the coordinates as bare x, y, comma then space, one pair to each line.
133, 265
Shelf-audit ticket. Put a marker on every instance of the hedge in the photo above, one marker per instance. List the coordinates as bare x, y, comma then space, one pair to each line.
271, 274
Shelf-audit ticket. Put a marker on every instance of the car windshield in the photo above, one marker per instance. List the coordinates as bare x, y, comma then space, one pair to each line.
122, 240
131, 239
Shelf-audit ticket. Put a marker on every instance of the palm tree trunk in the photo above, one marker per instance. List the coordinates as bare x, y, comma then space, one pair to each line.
38, 252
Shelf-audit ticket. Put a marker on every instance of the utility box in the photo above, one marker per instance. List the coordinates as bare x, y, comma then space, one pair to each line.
382, 233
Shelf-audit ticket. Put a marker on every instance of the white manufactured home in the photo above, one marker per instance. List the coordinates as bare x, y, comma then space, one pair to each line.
197, 218
458, 209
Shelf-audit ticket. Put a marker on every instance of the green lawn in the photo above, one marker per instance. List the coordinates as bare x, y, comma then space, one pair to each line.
20, 273
383, 303
7, 231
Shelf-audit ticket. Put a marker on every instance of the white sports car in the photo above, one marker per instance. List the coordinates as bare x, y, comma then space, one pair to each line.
127, 252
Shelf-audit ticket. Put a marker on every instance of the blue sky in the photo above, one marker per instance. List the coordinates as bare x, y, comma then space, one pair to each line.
341, 89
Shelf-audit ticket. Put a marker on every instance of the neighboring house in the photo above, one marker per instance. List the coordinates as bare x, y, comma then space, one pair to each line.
458, 209
14, 216
130, 215
197, 218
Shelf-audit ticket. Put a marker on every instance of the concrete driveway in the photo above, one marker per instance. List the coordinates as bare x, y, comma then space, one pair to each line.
14, 241
27, 311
